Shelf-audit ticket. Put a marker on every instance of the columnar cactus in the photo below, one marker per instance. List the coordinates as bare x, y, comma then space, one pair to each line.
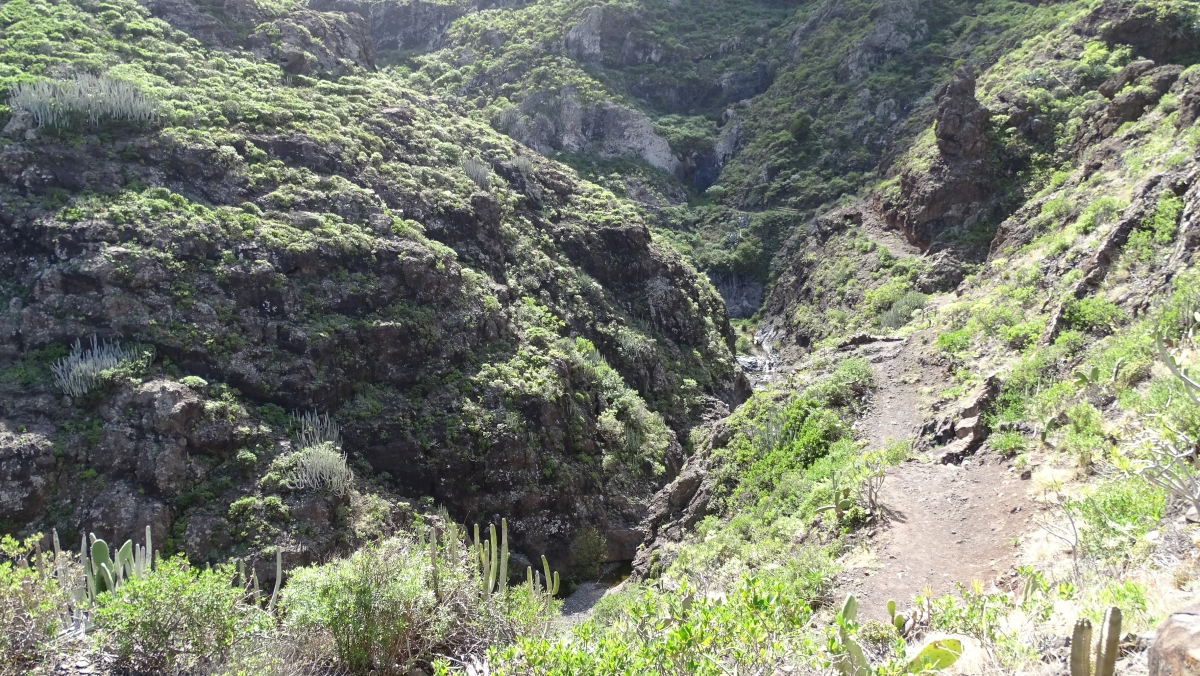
1109, 645
1081, 646
493, 564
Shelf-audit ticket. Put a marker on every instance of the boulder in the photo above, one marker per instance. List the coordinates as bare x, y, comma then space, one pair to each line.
1176, 647
121, 513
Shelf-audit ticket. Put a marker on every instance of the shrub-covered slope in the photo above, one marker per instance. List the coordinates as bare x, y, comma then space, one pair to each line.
514, 342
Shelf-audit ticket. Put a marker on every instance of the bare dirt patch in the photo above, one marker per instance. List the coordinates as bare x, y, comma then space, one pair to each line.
944, 524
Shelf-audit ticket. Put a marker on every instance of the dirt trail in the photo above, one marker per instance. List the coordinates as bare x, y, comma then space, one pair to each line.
944, 523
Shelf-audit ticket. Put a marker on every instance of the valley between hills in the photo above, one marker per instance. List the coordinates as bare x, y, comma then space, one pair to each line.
604, 337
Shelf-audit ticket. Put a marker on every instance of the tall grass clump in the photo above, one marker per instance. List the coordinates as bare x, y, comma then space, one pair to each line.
81, 370
902, 310
321, 466
477, 170
84, 99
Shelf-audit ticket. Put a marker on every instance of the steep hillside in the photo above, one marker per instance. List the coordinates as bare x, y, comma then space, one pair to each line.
326, 280
515, 342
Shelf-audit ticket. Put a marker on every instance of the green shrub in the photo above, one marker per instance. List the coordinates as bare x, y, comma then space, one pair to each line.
1084, 439
902, 310
30, 604
954, 341
756, 628
1098, 213
178, 617
1094, 314
380, 607
246, 460
589, 550
1157, 229
845, 386
1022, 335
1164, 222
1009, 442
1115, 515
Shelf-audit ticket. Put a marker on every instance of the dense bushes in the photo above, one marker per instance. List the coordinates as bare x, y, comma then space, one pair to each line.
30, 607
756, 628
178, 617
386, 608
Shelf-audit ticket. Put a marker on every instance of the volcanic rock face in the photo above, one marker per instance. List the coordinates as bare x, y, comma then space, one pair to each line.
961, 120
954, 188
485, 348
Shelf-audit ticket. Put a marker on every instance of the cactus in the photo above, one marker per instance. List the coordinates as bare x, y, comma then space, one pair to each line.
503, 579
101, 572
102, 566
1081, 645
842, 500
493, 564
851, 661
551, 581
1108, 646
278, 575
534, 580
898, 619
433, 562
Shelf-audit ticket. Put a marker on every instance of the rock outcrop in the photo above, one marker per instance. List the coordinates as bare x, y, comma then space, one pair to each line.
1134, 89
553, 122
953, 191
305, 42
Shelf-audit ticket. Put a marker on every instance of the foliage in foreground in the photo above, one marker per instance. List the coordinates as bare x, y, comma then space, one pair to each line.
387, 607
30, 608
758, 627
177, 617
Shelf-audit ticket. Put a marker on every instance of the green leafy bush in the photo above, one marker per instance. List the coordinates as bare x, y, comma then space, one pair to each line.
1115, 515
30, 606
1094, 314
178, 617
756, 628
954, 341
385, 606
589, 549
1156, 230
1084, 439
1009, 442
902, 310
